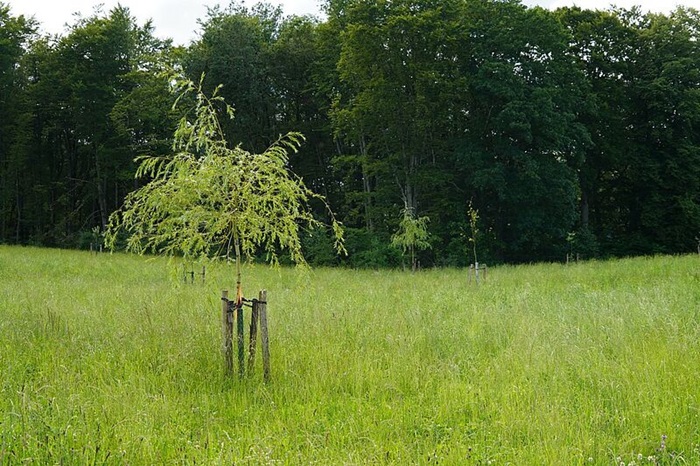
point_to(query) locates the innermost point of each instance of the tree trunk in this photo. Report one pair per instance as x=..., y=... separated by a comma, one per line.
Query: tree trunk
x=411, y=201
x=585, y=210
x=366, y=186
x=19, y=213
x=101, y=189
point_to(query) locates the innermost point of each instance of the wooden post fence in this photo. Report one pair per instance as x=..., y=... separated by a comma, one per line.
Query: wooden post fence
x=189, y=276
x=475, y=269
x=258, y=322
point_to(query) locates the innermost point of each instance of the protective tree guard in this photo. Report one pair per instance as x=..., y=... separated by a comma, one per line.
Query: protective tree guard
x=258, y=322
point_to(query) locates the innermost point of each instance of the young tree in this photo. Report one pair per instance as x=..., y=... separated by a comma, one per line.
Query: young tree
x=209, y=199
x=474, y=229
x=412, y=235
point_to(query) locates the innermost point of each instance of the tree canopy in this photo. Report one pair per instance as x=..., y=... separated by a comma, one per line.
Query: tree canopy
x=570, y=130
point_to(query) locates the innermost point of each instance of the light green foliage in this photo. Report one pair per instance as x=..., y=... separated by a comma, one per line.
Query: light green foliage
x=110, y=359
x=412, y=235
x=473, y=215
x=208, y=199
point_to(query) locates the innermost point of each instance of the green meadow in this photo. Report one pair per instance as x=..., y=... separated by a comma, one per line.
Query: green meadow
x=112, y=359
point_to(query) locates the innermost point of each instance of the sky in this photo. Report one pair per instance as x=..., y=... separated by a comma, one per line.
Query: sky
x=177, y=19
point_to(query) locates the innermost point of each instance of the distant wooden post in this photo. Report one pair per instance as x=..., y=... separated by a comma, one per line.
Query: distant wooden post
x=474, y=270
x=264, y=335
x=227, y=330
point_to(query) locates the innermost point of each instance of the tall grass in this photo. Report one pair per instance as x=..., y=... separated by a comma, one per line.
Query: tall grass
x=111, y=359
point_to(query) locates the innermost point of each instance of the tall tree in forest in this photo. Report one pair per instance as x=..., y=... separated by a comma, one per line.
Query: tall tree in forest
x=522, y=140
x=392, y=114
x=80, y=149
x=294, y=72
x=234, y=51
x=268, y=66
x=15, y=34
x=97, y=56
x=639, y=181
x=604, y=50
x=662, y=171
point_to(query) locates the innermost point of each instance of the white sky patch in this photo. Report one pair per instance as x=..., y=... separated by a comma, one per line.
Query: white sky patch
x=656, y=6
x=176, y=19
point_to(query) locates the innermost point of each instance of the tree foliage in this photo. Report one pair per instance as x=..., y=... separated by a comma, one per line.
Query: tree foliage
x=208, y=199
x=561, y=124
x=412, y=235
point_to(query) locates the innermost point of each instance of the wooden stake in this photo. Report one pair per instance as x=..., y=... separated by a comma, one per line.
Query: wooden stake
x=240, y=340
x=254, y=317
x=227, y=329
x=264, y=336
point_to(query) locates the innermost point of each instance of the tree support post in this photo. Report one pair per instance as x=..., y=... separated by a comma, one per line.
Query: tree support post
x=258, y=320
x=240, y=340
x=264, y=336
x=254, y=318
x=227, y=331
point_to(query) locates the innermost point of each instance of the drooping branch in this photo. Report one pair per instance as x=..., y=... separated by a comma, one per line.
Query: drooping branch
x=207, y=196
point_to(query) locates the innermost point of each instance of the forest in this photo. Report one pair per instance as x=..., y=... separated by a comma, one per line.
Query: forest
x=523, y=133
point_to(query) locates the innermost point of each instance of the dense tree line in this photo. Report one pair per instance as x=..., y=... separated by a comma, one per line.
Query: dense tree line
x=569, y=131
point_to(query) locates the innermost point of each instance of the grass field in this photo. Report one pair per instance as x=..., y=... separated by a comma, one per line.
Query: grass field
x=111, y=359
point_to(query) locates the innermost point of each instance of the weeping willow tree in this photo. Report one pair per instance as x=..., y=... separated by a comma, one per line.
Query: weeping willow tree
x=412, y=235
x=207, y=199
